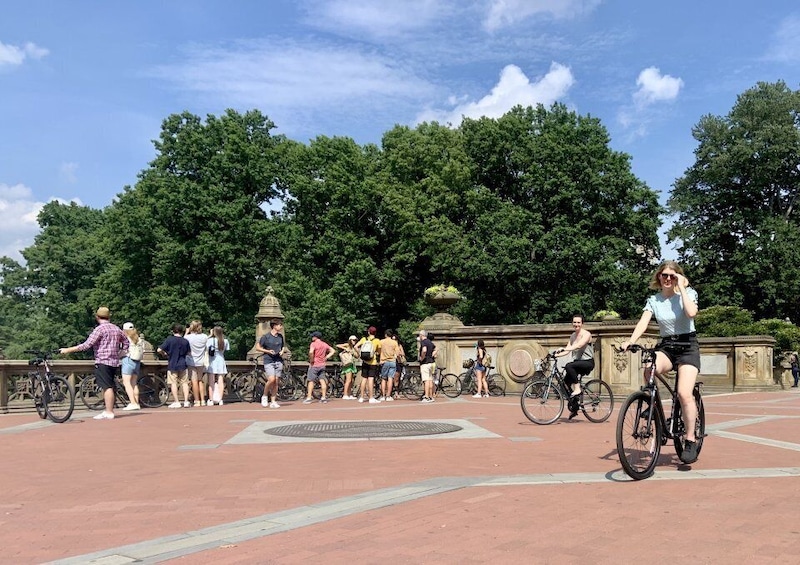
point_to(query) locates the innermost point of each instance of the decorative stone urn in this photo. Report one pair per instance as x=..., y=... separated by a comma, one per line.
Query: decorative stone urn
x=442, y=300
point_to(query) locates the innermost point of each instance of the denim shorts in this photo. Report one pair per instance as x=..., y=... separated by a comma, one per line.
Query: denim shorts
x=130, y=367
x=388, y=369
x=316, y=374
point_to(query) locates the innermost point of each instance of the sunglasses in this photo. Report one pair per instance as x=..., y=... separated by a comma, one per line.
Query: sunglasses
x=667, y=277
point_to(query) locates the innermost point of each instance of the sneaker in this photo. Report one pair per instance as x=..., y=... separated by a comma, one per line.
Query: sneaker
x=476, y=395
x=209, y=403
x=197, y=403
x=104, y=416
x=264, y=402
x=132, y=406
x=486, y=395
x=388, y=399
x=426, y=400
x=374, y=401
x=361, y=399
x=324, y=400
x=348, y=397
x=220, y=403
x=689, y=453
x=274, y=404
x=573, y=414
x=186, y=404
x=308, y=401
x=175, y=405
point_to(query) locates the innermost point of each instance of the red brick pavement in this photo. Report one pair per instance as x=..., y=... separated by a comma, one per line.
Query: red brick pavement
x=87, y=486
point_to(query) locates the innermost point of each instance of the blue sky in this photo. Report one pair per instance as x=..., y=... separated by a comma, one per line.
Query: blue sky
x=85, y=85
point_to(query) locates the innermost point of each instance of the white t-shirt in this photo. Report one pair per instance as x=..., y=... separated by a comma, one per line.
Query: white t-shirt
x=197, y=350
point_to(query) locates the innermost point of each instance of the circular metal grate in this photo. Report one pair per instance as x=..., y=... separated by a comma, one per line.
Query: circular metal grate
x=350, y=430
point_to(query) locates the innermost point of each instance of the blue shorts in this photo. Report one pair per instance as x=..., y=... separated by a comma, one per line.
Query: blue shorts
x=316, y=374
x=130, y=367
x=273, y=368
x=388, y=369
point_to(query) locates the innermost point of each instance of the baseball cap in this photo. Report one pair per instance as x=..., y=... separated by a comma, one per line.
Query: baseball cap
x=353, y=338
x=103, y=312
x=316, y=334
x=372, y=329
x=128, y=326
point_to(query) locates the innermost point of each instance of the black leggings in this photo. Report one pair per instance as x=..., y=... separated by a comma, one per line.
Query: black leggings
x=575, y=368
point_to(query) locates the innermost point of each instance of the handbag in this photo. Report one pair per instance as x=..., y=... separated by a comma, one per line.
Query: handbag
x=346, y=357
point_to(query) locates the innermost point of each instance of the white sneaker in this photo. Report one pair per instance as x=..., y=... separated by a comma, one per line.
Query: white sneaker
x=264, y=402
x=132, y=406
x=477, y=395
x=209, y=403
x=388, y=399
x=274, y=404
x=220, y=403
x=348, y=397
x=486, y=395
x=374, y=401
x=104, y=416
x=361, y=400
x=197, y=403
x=175, y=405
x=187, y=404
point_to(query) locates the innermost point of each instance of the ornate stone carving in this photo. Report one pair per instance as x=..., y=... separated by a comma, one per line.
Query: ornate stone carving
x=750, y=361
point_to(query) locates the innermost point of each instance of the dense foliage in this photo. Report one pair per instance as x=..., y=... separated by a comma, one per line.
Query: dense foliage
x=531, y=216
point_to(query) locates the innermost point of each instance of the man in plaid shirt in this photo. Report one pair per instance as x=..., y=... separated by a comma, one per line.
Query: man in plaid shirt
x=108, y=342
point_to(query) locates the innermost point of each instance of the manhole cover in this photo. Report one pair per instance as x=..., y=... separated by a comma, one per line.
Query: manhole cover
x=349, y=430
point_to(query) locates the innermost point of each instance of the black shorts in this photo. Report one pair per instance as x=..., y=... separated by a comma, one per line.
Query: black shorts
x=687, y=353
x=105, y=375
x=369, y=371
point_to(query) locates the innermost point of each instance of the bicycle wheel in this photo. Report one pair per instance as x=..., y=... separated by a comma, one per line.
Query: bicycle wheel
x=91, y=394
x=596, y=401
x=38, y=398
x=496, y=384
x=59, y=399
x=699, y=426
x=637, y=446
x=244, y=385
x=541, y=402
x=335, y=387
x=152, y=391
x=467, y=383
x=451, y=386
x=412, y=387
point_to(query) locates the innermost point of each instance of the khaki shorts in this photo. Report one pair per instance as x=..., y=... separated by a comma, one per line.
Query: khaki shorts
x=197, y=374
x=177, y=377
x=426, y=371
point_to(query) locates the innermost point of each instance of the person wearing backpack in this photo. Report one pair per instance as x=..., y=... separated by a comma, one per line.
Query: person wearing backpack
x=482, y=363
x=369, y=347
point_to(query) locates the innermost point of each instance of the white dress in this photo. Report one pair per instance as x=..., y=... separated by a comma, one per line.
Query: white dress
x=216, y=362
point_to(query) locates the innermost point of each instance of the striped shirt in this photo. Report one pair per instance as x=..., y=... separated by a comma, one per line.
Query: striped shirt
x=107, y=340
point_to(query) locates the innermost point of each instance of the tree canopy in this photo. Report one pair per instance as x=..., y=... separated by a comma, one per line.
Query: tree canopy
x=737, y=219
x=532, y=216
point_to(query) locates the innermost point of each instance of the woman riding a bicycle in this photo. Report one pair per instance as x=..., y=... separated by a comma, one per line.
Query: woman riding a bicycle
x=674, y=308
x=580, y=345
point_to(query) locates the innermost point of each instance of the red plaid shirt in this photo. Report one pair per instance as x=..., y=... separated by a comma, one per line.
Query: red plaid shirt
x=107, y=340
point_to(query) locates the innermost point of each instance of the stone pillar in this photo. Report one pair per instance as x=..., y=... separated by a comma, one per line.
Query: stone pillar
x=268, y=309
x=753, y=364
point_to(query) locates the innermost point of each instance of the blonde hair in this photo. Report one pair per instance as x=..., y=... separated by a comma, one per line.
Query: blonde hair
x=133, y=335
x=196, y=327
x=655, y=280
x=220, y=338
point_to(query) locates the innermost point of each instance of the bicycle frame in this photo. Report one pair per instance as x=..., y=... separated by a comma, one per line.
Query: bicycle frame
x=673, y=426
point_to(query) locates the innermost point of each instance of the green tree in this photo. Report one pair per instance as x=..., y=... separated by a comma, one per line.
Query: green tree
x=736, y=206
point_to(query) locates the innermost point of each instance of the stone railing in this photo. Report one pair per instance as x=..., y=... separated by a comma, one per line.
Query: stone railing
x=15, y=393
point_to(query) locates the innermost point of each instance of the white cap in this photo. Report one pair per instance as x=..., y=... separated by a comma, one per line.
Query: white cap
x=128, y=326
x=353, y=338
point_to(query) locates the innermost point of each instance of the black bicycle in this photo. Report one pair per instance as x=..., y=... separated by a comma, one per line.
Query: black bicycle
x=53, y=396
x=544, y=396
x=447, y=383
x=469, y=380
x=153, y=392
x=641, y=430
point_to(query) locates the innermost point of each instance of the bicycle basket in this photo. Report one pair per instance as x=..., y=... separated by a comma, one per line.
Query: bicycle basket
x=468, y=363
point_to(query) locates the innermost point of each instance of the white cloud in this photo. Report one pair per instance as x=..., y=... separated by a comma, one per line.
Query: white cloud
x=19, y=210
x=508, y=12
x=655, y=87
x=377, y=18
x=16, y=55
x=275, y=73
x=785, y=44
x=513, y=88
x=67, y=171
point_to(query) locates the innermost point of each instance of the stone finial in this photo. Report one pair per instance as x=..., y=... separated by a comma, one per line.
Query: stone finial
x=269, y=308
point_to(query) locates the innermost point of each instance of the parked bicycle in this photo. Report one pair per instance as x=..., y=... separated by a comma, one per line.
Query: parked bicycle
x=153, y=392
x=469, y=380
x=641, y=431
x=53, y=396
x=448, y=383
x=410, y=384
x=544, y=396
